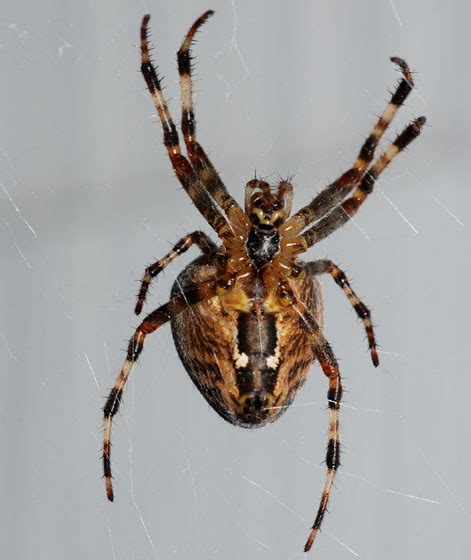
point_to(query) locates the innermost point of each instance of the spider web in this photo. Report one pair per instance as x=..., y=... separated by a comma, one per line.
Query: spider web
x=88, y=199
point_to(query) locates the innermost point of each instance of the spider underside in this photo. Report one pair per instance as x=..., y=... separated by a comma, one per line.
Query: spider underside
x=247, y=315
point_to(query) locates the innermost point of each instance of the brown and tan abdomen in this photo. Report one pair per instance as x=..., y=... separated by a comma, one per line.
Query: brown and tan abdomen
x=248, y=366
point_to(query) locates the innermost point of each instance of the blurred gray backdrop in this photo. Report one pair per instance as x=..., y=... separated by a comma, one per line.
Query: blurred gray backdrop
x=88, y=199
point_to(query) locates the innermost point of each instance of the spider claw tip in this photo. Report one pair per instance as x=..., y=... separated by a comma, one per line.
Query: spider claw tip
x=109, y=489
x=375, y=359
x=421, y=121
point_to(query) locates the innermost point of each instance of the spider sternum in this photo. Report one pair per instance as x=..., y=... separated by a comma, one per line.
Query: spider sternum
x=262, y=245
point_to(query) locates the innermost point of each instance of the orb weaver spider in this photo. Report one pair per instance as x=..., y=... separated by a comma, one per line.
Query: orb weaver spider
x=247, y=315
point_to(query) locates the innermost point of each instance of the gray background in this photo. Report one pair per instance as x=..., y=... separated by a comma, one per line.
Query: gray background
x=88, y=198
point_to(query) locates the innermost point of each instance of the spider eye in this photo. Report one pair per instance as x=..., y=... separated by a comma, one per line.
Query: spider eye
x=276, y=205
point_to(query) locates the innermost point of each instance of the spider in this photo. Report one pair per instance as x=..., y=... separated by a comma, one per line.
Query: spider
x=247, y=316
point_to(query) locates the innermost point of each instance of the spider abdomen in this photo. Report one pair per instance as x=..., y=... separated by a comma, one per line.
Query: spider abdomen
x=248, y=365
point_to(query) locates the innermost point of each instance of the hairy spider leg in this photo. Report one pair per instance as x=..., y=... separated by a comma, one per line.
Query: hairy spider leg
x=191, y=296
x=200, y=161
x=329, y=365
x=334, y=395
x=334, y=193
x=182, y=167
x=326, y=266
x=342, y=213
x=199, y=238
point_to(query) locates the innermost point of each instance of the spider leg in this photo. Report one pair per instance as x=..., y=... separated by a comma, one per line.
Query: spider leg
x=342, y=213
x=200, y=238
x=334, y=193
x=182, y=167
x=193, y=295
x=329, y=365
x=326, y=266
x=200, y=161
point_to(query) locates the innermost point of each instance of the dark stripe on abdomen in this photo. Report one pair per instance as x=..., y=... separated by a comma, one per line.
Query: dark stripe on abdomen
x=257, y=338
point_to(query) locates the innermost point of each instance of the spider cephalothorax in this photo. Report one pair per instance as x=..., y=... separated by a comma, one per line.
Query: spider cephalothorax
x=247, y=316
x=267, y=208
